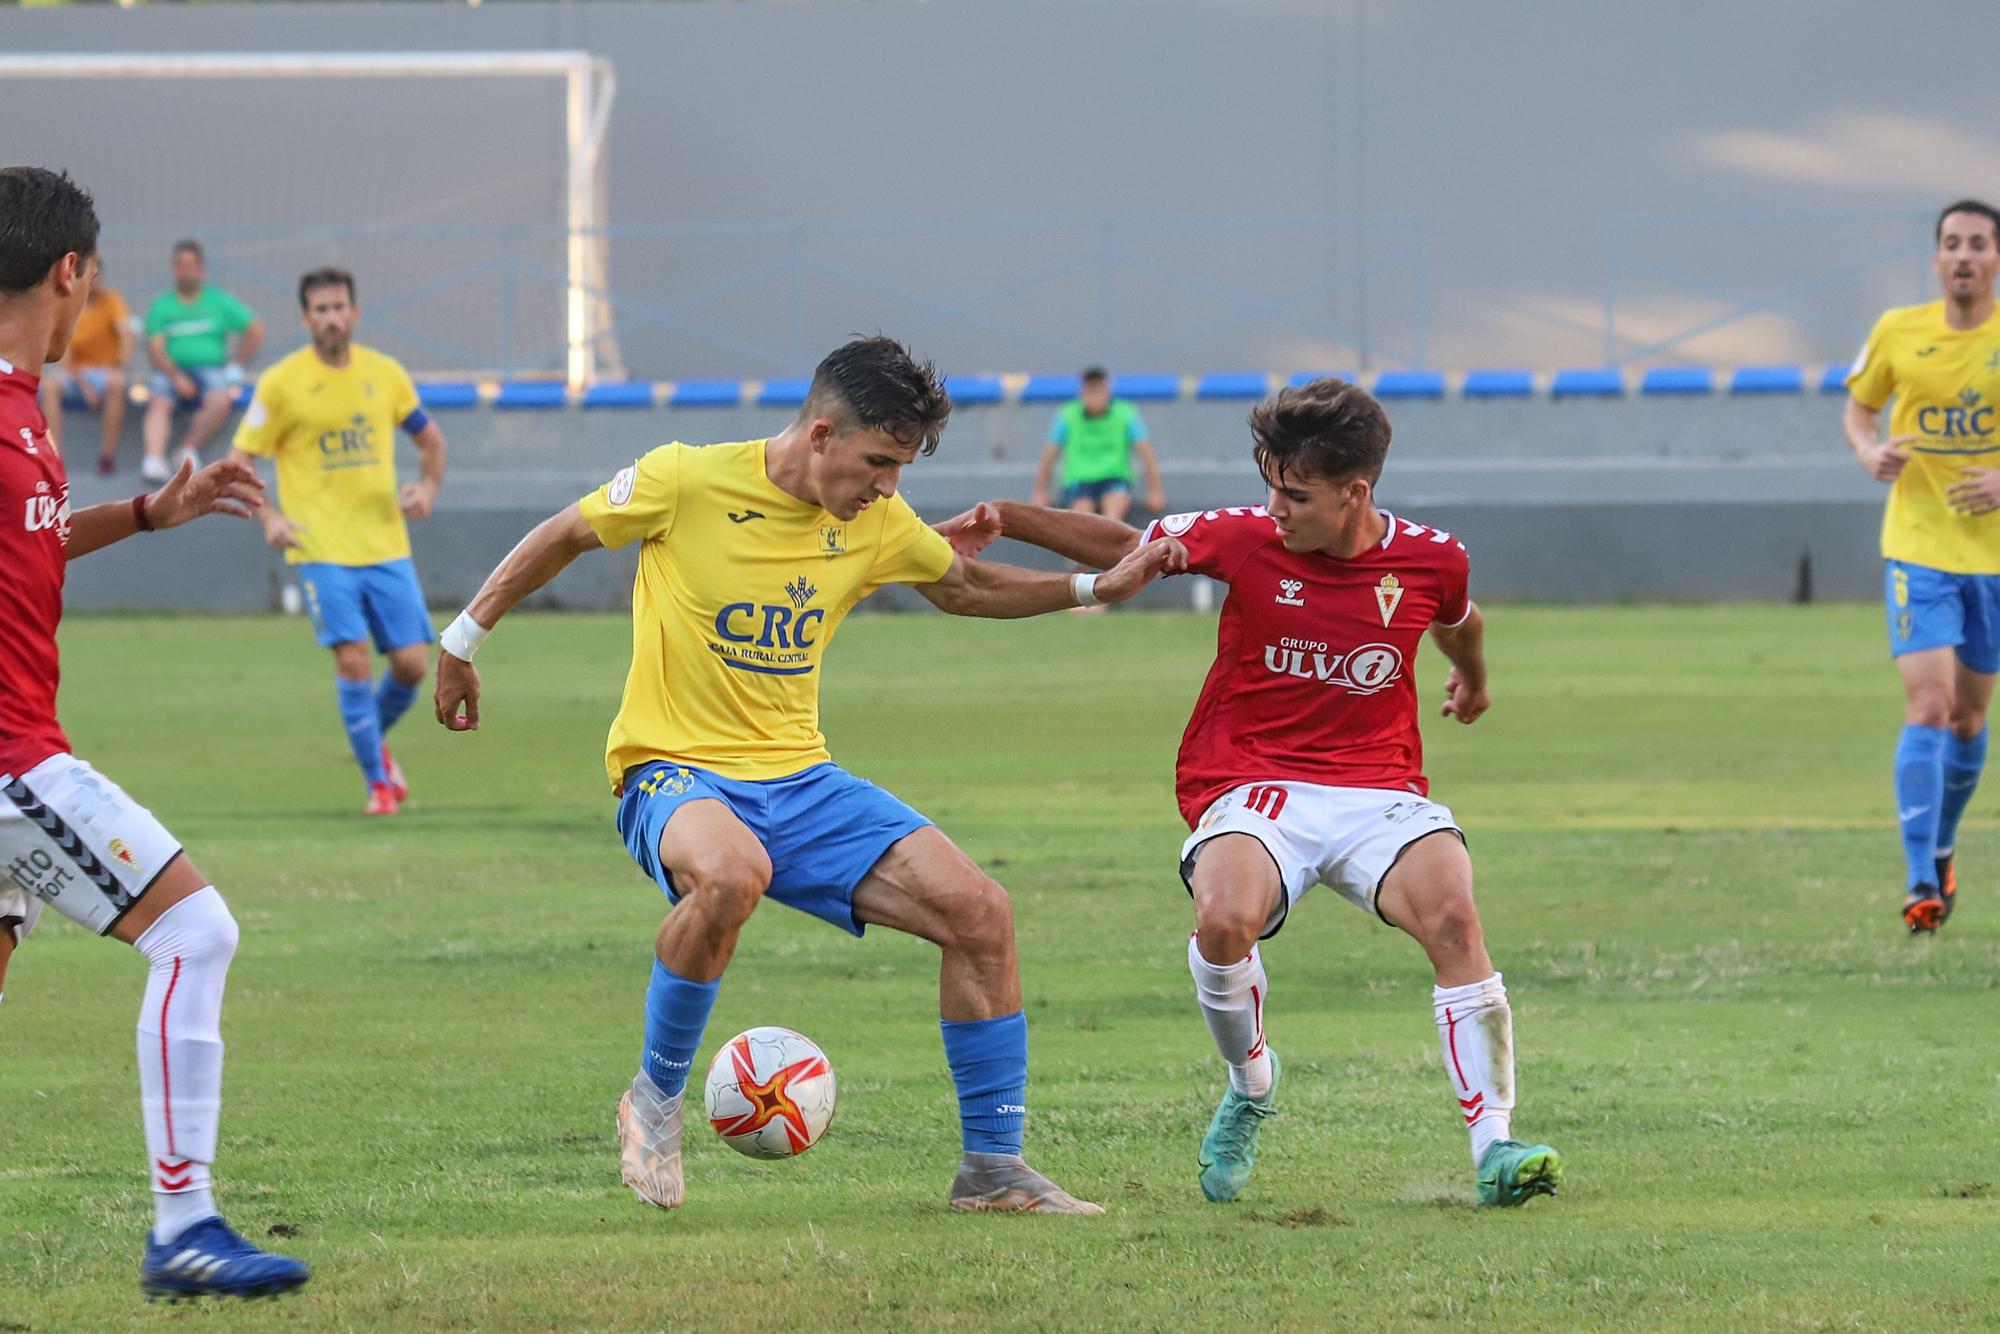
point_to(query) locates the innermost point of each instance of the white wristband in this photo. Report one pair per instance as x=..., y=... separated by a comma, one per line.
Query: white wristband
x=463, y=637
x=1083, y=587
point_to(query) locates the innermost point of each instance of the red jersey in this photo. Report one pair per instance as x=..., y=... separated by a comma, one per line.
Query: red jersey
x=1314, y=676
x=34, y=529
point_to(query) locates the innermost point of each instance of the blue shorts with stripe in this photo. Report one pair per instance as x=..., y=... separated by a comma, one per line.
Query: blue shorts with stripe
x=1930, y=609
x=352, y=603
x=823, y=828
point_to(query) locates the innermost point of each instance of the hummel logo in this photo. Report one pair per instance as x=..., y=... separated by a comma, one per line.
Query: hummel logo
x=1911, y=814
x=1288, y=593
x=745, y=517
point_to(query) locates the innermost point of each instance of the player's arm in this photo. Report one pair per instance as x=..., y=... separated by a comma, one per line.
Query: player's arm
x=418, y=496
x=280, y=533
x=1465, y=645
x=1087, y=539
x=226, y=486
x=1883, y=459
x=1005, y=592
x=156, y=352
x=247, y=344
x=538, y=558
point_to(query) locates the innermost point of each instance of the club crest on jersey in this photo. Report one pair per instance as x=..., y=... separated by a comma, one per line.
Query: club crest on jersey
x=1388, y=595
x=619, y=493
x=832, y=540
x=800, y=592
x=122, y=851
x=1288, y=593
x=1367, y=670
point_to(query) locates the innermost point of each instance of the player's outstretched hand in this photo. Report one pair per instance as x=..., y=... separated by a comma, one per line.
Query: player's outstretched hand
x=457, y=697
x=1145, y=564
x=973, y=531
x=416, y=499
x=1462, y=701
x=1977, y=491
x=1885, y=461
x=227, y=486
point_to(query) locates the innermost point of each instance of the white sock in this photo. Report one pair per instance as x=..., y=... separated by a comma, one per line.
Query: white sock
x=1232, y=1001
x=1476, y=1030
x=180, y=1054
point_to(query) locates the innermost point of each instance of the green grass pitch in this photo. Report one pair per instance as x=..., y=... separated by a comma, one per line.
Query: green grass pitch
x=1777, y=1109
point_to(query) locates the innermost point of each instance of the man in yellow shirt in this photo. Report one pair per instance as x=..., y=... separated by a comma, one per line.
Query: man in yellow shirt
x=1940, y=537
x=328, y=414
x=751, y=554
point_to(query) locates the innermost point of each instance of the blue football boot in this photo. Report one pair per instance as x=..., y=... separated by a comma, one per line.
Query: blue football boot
x=210, y=1260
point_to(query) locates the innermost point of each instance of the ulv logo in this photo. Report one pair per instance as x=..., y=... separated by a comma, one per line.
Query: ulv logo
x=1367, y=670
x=48, y=512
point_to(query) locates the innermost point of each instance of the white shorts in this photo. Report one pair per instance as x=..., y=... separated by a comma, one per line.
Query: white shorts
x=1347, y=838
x=72, y=839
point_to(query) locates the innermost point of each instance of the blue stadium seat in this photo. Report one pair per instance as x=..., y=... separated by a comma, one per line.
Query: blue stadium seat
x=1303, y=378
x=1410, y=384
x=1588, y=382
x=1051, y=388
x=1233, y=384
x=619, y=394
x=1768, y=380
x=1673, y=381
x=1498, y=384
x=707, y=394
x=1834, y=379
x=783, y=393
x=446, y=395
x=974, y=389
x=531, y=395
x=1147, y=388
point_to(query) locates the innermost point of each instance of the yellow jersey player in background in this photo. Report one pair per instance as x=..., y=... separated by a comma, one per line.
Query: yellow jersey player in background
x=1940, y=363
x=750, y=556
x=328, y=414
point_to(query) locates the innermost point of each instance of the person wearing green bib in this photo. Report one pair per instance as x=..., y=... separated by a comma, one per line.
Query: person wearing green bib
x=188, y=328
x=1097, y=437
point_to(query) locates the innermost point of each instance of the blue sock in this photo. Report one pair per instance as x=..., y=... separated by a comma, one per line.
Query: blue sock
x=1920, y=797
x=1964, y=757
x=357, y=715
x=392, y=701
x=989, y=1064
x=676, y=1013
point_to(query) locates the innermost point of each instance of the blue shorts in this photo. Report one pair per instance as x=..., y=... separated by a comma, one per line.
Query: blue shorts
x=823, y=828
x=350, y=603
x=1095, y=492
x=207, y=380
x=1937, y=609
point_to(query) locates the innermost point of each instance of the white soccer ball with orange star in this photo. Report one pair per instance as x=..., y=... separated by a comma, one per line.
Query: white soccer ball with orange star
x=770, y=1093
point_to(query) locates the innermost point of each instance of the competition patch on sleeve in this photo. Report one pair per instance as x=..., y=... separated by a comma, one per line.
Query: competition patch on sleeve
x=619, y=493
x=256, y=416
x=1176, y=525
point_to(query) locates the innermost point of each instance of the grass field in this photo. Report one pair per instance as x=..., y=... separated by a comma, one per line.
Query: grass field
x=1778, y=1110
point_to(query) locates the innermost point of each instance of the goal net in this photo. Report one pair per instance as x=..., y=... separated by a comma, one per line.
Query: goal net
x=465, y=191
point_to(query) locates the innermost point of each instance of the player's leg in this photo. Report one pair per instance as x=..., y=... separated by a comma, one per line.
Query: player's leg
x=112, y=412
x=925, y=886
x=102, y=860
x=1427, y=892
x=1117, y=502
x=1239, y=892
x=400, y=624
x=1927, y=625
x=155, y=426
x=682, y=830
x=208, y=417
x=354, y=692
x=1971, y=697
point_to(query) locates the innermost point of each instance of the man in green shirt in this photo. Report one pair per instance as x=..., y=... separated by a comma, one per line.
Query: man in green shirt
x=188, y=328
x=1097, y=437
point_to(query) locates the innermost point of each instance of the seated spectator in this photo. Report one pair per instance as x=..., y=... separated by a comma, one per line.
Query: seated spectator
x=99, y=354
x=188, y=328
x=1097, y=437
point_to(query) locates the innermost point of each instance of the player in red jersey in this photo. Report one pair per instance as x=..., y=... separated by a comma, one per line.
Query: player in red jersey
x=1303, y=763
x=69, y=837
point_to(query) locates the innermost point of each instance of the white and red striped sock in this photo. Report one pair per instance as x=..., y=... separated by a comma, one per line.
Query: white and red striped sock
x=180, y=1054
x=1476, y=1030
x=1232, y=1001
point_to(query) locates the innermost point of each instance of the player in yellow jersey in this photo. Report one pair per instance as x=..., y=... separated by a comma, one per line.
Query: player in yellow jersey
x=329, y=414
x=750, y=556
x=1940, y=362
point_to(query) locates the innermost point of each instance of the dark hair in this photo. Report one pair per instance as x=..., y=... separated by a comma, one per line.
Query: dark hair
x=44, y=215
x=1973, y=206
x=1095, y=375
x=327, y=276
x=874, y=384
x=1327, y=429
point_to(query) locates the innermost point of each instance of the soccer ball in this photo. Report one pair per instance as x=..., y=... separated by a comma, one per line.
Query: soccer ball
x=770, y=1093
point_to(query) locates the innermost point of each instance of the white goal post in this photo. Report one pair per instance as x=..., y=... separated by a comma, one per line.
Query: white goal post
x=588, y=87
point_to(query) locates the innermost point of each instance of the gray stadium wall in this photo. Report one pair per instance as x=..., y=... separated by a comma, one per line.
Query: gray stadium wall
x=1621, y=500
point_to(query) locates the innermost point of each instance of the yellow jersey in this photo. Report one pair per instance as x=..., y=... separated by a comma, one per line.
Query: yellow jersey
x=739, y=591
x=1946, y=383
x=333, y=433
